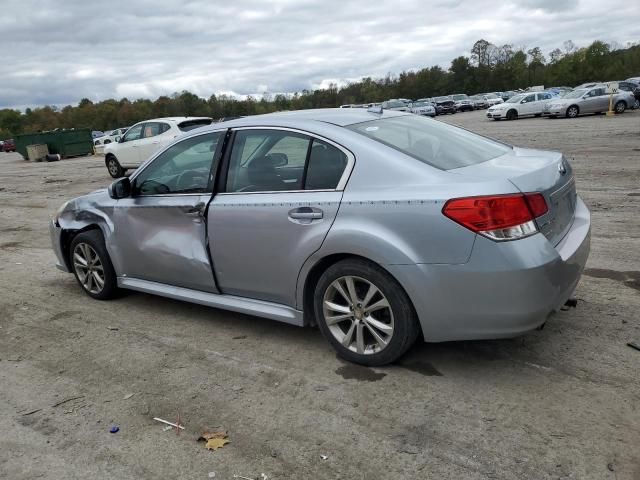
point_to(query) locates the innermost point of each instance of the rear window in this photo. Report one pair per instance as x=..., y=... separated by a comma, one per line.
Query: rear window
x=434, y=143
x=191, y=124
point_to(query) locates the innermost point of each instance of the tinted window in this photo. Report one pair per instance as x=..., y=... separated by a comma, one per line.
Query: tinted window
x=529, y=98
x=326, y=165
x=266, y=161
x=182, y=168
x=134, y=133
x=191, y=124
x=434, y=143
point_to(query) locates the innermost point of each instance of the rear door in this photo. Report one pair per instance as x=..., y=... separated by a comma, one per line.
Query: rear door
x=128, y=151
x=151, y=140
x=280, y=190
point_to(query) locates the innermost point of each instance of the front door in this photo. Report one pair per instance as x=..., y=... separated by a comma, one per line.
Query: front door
x=279, y=193
x=161, y=233
x=128, y=150
x=528, y=105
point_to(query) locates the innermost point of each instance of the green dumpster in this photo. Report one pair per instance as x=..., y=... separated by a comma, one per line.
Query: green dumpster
x=67, y=143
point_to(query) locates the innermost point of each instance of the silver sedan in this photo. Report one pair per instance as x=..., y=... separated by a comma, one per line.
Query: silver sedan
x=379, y=227
x=588, y=100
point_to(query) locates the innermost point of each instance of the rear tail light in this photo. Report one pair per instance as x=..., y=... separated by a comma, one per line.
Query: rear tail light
x=498, y=217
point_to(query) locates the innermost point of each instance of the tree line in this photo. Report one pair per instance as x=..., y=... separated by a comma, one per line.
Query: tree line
x=489, y=68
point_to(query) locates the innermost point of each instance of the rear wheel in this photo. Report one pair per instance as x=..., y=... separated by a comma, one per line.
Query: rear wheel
x=620, y=107
x=512, y=115
x=573, y=111
x=92, y=266
x=364, y=313
x=115, y=170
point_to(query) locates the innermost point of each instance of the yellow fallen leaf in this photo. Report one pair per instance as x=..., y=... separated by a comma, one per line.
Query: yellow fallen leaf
x=216, y=443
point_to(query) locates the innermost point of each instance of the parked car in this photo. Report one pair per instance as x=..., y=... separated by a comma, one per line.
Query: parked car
x=423, y=108
x=112, y=136
x=508, y=94
x=587, y=85
x=9, y=145
x=492, y=98
x=379, y=227
x=444, y=105
x=587, y=100
x=523, y=105
x=634, y=88
x=144, y=139
x=97, y=133
x=462, y=102
x=479, y=102
x=395, y=105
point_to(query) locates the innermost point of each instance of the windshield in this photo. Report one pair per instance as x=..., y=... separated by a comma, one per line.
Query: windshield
x=420, y=104
x=434, y=143
x=515, y=99
x=442, y=99
x=576, y=93
x=490, y=95
x=460, y=96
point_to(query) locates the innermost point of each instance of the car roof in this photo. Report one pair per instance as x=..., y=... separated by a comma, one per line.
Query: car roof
x=174, y=119
x=336, y=116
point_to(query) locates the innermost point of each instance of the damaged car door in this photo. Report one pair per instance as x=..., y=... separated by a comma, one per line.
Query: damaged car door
x=160, y=230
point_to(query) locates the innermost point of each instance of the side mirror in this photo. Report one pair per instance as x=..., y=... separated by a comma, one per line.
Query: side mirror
x=121, y=188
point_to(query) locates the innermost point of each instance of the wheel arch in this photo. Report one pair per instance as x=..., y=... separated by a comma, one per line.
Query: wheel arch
x=315, y=271
x=66, y=238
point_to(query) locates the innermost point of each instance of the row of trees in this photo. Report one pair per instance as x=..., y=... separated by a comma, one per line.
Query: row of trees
x=488, y=68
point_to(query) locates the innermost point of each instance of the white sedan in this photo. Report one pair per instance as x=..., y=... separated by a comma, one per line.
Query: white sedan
x=144, y=139
x=522, y=105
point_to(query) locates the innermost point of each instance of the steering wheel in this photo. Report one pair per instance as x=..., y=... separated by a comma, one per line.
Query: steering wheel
x=186, y=180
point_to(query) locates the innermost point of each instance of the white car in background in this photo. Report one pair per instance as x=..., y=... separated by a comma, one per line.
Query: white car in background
x=144, y=139
x=423, y=108
x=521, y=105
x=492, y=99
x=110, y=137
x=396, y=104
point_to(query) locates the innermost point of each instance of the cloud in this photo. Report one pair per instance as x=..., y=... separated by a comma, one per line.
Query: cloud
x=146, y=48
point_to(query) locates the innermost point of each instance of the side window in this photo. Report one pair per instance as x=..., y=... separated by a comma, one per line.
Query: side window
x=182, y=168
x=164, y=127
x=266, y=161
x=326, y=165
x=600, y=92
x=134, y=133
x=151, y=129
x=529, y=98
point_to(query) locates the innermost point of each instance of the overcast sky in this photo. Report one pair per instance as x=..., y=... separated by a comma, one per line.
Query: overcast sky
x=57, y=52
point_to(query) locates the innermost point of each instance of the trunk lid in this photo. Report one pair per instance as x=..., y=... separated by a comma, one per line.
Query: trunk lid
x=545, y=172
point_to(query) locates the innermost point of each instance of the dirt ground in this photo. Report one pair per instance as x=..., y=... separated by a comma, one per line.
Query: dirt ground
x=559, y=403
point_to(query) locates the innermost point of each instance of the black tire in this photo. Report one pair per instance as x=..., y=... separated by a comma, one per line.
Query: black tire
x=113, y=167
x=512, y=115
x=573, y=111
x=404, y=320
x=620, y=107
x=94, y=239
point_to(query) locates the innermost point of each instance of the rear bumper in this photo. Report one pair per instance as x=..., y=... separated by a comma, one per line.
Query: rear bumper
x=55, y=232
x=506, y=289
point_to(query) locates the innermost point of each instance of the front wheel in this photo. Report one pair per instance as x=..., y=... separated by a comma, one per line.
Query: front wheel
x=114, y=168
x=512, y=115
x=573, y=111
x=364, y=313
x=92, y=266
x=620, y=107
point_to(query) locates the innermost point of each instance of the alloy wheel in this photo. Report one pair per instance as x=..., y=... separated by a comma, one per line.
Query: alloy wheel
x=358, y=315
x=113, y=168
x=620, y=107
x=572, y=112
x=88, y=268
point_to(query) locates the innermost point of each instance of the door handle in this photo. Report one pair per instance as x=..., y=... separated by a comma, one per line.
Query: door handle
x=194, y=211
x=305, y=214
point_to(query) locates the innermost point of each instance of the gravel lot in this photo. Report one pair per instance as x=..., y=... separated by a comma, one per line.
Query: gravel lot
x=563, y=402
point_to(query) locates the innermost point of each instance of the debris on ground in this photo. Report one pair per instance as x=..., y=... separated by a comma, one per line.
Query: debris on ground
x=114, y=429
x=66, y=400
x=113, y=328
x=212, y=474
x=634, y=345
x=261, y=477
x=324, y=457
x=31, y=412
x=174, y=425
x=128, y=396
